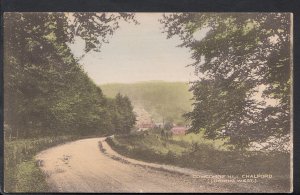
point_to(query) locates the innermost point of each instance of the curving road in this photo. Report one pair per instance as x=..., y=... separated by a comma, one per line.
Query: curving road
x=80, y=166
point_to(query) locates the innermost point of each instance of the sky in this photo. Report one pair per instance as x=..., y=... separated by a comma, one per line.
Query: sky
x=137, y=53
x=142, y=52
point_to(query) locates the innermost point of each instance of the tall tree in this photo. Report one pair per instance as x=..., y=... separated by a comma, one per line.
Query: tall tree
x=239, y=54
x=46, y=90
x=125, y=117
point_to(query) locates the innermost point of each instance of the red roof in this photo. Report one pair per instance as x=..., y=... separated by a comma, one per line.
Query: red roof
x=179, y=130
x=146, y=125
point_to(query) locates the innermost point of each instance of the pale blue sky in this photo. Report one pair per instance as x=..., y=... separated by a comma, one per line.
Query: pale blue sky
x=138, y=53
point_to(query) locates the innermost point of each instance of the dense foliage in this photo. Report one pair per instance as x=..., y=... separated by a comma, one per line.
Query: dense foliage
x=240, y=56
x=123, y=117
x=46, y=90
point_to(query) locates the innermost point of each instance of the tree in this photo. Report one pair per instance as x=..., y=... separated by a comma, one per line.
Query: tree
x=240, y=53
x=125, y=118
x=46, y=90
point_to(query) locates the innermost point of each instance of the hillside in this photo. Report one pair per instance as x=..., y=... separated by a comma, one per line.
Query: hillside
x=164, y=101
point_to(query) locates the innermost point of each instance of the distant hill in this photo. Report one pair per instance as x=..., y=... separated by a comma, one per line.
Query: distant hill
x=164, y=101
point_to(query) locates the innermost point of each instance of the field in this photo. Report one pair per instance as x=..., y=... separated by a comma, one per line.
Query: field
x=194, y=151
x=21, y=173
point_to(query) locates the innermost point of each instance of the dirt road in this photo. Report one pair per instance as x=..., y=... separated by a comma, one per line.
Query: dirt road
x=80, y=166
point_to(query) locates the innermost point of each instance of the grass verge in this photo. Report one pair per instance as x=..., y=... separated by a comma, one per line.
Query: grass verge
x=203, y=155
x=21, y=173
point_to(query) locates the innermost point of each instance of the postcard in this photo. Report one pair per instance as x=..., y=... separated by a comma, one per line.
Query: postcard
x=148, y=102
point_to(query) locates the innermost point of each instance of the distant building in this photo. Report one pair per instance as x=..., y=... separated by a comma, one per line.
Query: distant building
x=144, y=120
x=159, y=125
x=145, y=126
x=178, y=130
